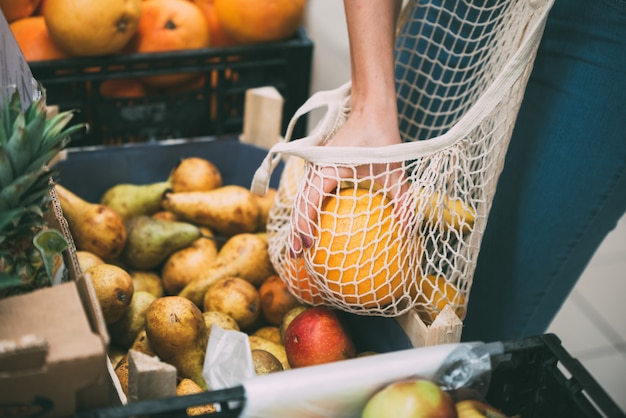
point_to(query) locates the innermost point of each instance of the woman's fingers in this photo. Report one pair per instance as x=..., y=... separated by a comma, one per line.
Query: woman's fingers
x=323, y=180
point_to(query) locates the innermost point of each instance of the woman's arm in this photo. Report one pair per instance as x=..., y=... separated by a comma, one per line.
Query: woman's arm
x=373, y=119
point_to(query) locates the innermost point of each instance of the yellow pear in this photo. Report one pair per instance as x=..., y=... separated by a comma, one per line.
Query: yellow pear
x=114, y=289
x=227, y=210
x=87, y=259
x=243, y=255
x=190, y=263
x=148, y=281
x=124, y=331
x=194, y=174
x=95, y=228
x=178, y=335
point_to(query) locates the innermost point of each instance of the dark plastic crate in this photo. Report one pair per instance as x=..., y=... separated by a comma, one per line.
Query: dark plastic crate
x=90, y=171
x=534, y=378
x=215, y=108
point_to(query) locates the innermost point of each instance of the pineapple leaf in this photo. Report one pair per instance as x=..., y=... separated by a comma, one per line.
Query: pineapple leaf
x=55, y=131
x=8, y=219
x=45, y=158
x=17, y=146
x=10, y=196
x=27, y=136
x=6, y=168
x=8, y=281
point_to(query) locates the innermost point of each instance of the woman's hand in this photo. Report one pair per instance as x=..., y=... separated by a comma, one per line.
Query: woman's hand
x=358, y=131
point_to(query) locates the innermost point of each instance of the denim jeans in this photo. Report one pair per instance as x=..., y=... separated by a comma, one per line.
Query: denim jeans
x=563, y=186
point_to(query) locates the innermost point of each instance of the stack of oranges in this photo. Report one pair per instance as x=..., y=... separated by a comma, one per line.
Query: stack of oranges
x=56, y=29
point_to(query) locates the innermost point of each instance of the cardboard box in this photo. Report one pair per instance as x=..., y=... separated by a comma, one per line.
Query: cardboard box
x=53, y=346
x=52, y=341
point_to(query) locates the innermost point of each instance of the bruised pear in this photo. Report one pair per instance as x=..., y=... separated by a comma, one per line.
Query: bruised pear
x=114, y=289
x=243, y=255
x=189, y=263
x=124, y=331
x=227, y=210
x=95, y=228
x=135, y=199
x=150, y=241
x=178, y=335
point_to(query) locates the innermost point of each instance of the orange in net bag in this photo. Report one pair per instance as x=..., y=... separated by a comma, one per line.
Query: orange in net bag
x=359, y=253
x=457, y=106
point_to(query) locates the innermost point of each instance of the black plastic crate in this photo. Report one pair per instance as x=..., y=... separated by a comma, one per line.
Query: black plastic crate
x=533, y=378
x=215, y=108
x=536, y=377
x=90, y=171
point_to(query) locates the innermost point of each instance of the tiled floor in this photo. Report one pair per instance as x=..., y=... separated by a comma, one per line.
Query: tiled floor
x=591, y=323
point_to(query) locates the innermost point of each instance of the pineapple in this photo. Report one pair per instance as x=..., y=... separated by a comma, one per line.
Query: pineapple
x=28, y=142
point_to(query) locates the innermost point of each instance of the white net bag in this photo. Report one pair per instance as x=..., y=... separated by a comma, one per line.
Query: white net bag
x=461, y=73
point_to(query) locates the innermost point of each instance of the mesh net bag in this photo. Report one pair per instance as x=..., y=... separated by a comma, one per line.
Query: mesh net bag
x=461, y=71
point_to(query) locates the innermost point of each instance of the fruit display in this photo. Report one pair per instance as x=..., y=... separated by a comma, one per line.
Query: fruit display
x=170, y=259
x=143, y=26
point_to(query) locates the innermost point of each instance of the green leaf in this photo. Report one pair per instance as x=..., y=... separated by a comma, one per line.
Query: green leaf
x=8, y=281
x=11, y=195
x=6, y=168
x=51, y=243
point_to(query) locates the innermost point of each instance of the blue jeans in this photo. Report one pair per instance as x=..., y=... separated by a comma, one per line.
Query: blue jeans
x=563, y=187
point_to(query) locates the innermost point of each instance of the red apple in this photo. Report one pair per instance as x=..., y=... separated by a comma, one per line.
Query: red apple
x=317, y=336
x=415, y=398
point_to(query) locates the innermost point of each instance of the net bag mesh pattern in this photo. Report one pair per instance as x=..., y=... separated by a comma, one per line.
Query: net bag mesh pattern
x=461, y=71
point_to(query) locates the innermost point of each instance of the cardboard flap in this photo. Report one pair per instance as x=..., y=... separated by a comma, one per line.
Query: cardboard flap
x=25, y=353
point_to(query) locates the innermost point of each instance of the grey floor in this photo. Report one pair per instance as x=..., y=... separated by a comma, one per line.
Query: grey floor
x=591, y=323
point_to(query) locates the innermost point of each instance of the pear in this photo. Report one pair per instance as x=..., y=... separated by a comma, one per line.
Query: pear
x=142, y=344
x=87, y=259
x=265, y=204
x=189, y=264
x=227, y=210
x=243, y=255
x=177, y=333
x=124, y=331
x=150, y=241
x=95, y=228
x=189, y=387
x=149, y=281
x=193, y=174
x=113, y=288
x=134, y=199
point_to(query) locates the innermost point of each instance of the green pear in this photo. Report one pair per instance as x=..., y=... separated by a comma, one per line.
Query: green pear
x=150, y=241
x=134, y=199
x=124, y=331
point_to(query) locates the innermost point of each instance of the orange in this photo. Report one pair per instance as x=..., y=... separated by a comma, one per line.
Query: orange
x=276, y=299
x=91, y=27
x=31, y=34
x=433, y=294
x=251, y=21
x=301, y=283
x=39, y=11
x=218, y=36
x=359, y=250
x=169, y=25
x=18, y=9
x=123, y=88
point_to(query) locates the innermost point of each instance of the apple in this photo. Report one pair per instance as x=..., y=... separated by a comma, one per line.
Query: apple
x=413, y=398
x=317, y=336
